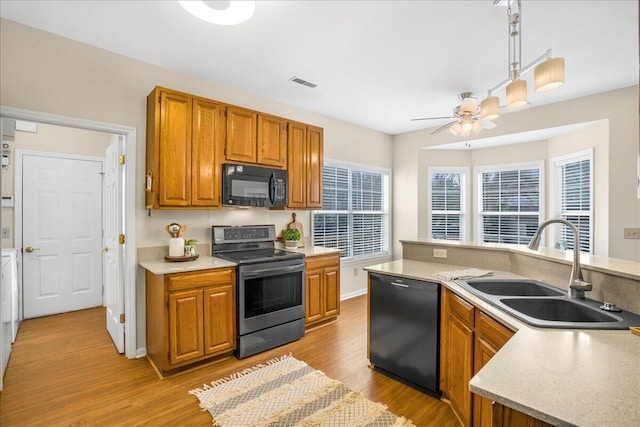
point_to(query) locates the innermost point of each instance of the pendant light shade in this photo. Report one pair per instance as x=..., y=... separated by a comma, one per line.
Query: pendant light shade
x=517, y=94
x=549, y=75
x=456, y=128
x=490, y=108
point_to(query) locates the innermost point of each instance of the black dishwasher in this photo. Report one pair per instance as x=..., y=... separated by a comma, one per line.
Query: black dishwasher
x=404, y=326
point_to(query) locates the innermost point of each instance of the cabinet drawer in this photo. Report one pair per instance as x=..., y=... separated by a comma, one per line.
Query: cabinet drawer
x=491, y=331
x=322, y=261
x=199, y=279
x=462, y=309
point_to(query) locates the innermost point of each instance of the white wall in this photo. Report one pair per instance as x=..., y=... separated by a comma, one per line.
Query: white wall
x=47, y=73
x=619, y=108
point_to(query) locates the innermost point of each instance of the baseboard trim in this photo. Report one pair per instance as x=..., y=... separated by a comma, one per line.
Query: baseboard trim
x=141, y=352
x=353, y=294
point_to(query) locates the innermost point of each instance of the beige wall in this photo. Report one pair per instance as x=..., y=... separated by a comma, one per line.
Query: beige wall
x=47, y=73
x=47, y=138
x=617, y=109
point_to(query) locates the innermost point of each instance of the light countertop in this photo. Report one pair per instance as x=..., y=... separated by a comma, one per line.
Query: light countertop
x=202, y=263
x=564, y=377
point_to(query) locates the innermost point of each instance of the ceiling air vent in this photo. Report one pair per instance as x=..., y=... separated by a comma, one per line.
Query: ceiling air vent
x=302, y=82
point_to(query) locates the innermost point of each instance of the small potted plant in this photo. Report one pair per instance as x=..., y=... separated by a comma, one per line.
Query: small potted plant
x=291, y=237
x=190, y=247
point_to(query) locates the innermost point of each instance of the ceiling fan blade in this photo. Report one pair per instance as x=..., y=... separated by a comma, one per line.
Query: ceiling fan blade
x=487, y=124
x=432, y=118
x=441, y=128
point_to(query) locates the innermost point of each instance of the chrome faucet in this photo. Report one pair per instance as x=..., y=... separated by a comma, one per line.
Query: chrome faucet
x=577, y=285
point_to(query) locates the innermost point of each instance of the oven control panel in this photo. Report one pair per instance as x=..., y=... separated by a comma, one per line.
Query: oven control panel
x=244, y=233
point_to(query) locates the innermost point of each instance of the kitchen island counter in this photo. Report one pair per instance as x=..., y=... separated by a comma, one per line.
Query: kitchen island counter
x=561, y=376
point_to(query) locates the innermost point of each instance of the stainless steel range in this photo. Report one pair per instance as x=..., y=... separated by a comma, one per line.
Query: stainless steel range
x=270, y=287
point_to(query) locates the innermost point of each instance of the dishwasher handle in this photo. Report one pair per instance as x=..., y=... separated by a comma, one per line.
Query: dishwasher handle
x=399, y=285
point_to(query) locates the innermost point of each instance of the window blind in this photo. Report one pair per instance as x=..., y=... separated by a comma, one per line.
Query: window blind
x=446, y=205
x=576, y=202
x=354, y=212
x=509, y=205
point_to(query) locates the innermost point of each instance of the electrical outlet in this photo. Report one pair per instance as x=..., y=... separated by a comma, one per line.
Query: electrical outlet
x=355, y=271
x=5, y=232
x=632, y=233
x=439, y=253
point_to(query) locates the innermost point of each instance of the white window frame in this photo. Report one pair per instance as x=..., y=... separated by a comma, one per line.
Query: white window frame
x=477, y=196
x=386, y=208
x=465, y=217
x=555, y=179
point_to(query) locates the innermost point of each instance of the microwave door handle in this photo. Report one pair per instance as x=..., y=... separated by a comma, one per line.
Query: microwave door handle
x=272, y=188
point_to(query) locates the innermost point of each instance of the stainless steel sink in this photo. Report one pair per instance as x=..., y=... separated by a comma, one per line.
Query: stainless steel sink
x=530, y=288
x=558, y=310
x=545, y=306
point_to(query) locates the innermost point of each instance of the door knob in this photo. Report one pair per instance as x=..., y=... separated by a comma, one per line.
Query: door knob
x=29, y=249
x=105, y=249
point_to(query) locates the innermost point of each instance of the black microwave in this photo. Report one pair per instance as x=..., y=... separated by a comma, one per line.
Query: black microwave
x=253, y=186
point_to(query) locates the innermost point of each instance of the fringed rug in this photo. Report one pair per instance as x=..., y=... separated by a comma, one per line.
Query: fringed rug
x=287, y=392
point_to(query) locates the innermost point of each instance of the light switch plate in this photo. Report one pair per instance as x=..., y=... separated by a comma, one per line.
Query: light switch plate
x=632, y=233
x=5, y=232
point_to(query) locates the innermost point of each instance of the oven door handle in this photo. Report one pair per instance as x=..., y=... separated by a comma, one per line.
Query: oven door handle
x=272, y=271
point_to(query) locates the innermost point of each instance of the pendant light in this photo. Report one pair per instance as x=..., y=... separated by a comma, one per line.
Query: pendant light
x=548, y=73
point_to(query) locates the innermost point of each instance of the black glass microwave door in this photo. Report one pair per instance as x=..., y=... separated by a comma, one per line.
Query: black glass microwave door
x=247, y=189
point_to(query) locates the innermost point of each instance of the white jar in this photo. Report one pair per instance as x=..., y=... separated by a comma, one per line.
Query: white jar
x=176, y=246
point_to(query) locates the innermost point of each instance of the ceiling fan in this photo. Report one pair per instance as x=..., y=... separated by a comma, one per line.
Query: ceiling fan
x=466, y=117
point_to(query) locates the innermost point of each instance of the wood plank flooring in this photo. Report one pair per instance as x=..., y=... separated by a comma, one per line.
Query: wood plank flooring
x=65, y=371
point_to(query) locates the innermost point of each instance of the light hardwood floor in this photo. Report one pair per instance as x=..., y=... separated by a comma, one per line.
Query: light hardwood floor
x=64, y=371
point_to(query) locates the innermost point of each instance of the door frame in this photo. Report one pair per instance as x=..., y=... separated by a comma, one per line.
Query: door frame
x=129, y=259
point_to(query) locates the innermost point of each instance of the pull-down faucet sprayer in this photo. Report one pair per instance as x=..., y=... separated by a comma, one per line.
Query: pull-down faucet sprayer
x=577, y=285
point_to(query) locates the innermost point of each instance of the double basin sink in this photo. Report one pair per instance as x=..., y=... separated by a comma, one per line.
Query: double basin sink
x=545, y=306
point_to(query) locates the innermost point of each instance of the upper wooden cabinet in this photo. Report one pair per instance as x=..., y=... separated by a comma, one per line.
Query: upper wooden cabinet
x=255, y=138
x=184, y=140
x=304, y=165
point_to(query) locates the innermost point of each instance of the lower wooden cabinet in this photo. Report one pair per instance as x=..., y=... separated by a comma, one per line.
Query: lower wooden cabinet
x=469, y=339
x=322, y=288
x=190, y=317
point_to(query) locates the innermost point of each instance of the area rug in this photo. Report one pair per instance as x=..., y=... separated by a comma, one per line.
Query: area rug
x=287, y=392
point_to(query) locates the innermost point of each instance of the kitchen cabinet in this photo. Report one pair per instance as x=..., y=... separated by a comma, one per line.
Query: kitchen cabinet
x=255, y=138
x=190, y=317
x=469, y=339
x=185, y=136
x=322, y=288
x=305, y=162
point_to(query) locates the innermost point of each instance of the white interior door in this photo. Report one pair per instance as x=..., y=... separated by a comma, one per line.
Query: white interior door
x=61, y=234
x=112, y=250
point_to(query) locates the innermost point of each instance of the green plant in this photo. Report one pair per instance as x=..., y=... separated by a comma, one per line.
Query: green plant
x=291, y=234
x=190, y=242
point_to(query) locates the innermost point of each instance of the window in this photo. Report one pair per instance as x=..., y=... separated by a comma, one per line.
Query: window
x=447, y=194
x=573, y=198
x=354, y=216
x=509, y=202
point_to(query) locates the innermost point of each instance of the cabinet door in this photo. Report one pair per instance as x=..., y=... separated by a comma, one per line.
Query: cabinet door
x=331, y=279
x=272, y=141
x=314, y=166
x=174, y=180
x=241, y=135
x=297, y=165
x=185, y=326
x=207, y=134
x=481, y=405
x=219, y=319
x=460, y=351
x=313, y=310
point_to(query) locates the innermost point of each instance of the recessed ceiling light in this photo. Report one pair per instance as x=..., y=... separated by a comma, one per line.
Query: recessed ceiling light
x=235, y=12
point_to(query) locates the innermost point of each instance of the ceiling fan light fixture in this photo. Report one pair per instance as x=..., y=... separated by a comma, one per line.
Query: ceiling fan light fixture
x=549, y=75
x=476, y=126
x=469, y=105
x=235, y=13
x=490, y=108
x=456, y=129
x=517, y=94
